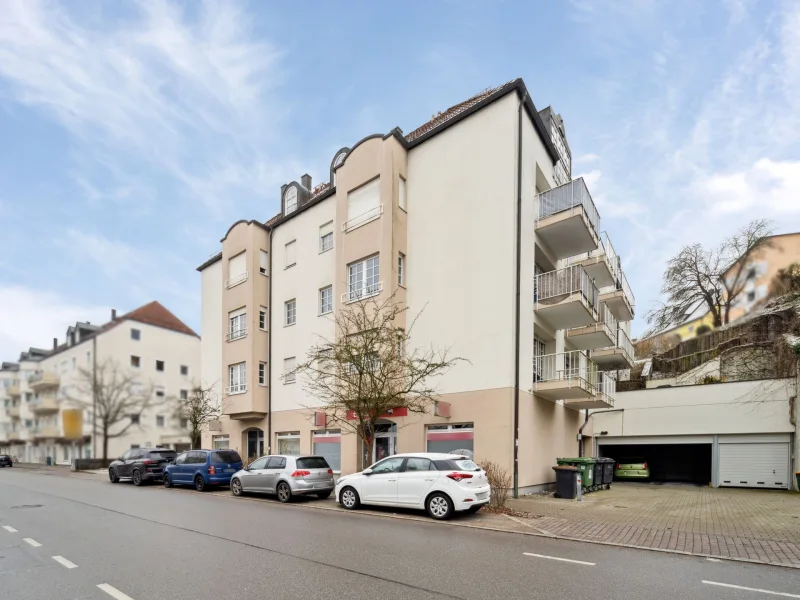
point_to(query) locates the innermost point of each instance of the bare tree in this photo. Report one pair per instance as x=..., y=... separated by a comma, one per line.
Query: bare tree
x=369, y=369
x=117, y=398
x=709, y=278
x=199, y=408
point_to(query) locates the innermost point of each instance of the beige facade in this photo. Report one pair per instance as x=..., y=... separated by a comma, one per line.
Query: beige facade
x=432, y=217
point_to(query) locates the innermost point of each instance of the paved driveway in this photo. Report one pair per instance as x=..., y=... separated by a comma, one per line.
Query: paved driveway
x=757, y=525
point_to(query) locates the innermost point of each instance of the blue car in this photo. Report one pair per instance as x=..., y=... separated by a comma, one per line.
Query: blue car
x=203, y=468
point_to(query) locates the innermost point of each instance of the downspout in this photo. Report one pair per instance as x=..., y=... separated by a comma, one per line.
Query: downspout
x=94, y=396
x=586, y=422
x=269, y=351
x=517, y=295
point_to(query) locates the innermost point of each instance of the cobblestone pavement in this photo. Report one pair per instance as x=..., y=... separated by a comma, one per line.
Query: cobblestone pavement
x=759, y=525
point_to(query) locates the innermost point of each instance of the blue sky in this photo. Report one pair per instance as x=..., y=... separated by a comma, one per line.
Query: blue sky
x=132, y=134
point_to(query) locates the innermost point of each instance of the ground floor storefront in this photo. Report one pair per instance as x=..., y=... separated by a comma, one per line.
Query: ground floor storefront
x=477, y=423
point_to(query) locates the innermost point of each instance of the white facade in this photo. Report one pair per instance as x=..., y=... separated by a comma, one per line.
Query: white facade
x=213, y=337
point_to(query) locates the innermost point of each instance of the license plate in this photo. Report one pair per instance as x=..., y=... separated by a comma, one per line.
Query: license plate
x=482, y=495
x=230, y=470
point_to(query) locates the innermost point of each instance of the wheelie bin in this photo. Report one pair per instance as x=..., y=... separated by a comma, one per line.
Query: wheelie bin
x=586, y=466
x=607, y=470
x=566, y=482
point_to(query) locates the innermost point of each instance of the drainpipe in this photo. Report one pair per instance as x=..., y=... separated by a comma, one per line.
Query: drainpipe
x=269, y=351
x=517, y=296
x=94, y=396
x=586, y=422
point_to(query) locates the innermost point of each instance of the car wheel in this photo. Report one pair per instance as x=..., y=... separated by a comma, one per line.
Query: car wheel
x=349, y=499
x=324, y=495
x=137, y=477
x=112, y=475
x=284, y=492
x=236, y=487
x=200, y=483
x=167, y=481
x=473, y=509
x=439, y=506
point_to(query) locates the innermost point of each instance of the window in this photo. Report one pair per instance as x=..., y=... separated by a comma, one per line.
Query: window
x=185, y=425
x=290, y=200
x=225, y=458
x=159, y=365
x=237, y=324
x=263, y=262
x=262, y=373
x=135, y=419
x=363, y=205
x=401, y=194
x=363, y=279
x=328, y=444
x=220, y=442
x=289, y=443
x=419, y=464
x=277, y=462
x=136, y=334
x=291, y=254
x=135, y=361
x=290, y=312
x=262, y=318
x=237, y=270
x=326, y=237
x=184, y=370
x=289, y=376
x=401, y=269
x=326, y=300
x=160, y=392
x=259, y=464
x=538, y=361
x=184, y=394
x=389, y=465
x=160, y=420
x=451, y=438
x=237, y=378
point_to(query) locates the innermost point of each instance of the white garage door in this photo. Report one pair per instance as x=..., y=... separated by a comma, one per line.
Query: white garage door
x=762, y=465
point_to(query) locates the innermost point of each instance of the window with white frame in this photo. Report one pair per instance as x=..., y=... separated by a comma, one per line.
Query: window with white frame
x=290, y=312
x=220, y=442
x=237, y=269
x=291, y=254
x=262, y=373
x=289, y=375
x=326, y=237
x=262, y=318
x=363, y=278
x=237, y=324
x=328, y=445
x=237, y=378
x=538, y=352
x=451, y=438
x=289, y=443
x=363, y=204
x=326, y=300
x=401, y=269
x=401, y=195
x=290, y=200
x=160, y=421
x=263, y=262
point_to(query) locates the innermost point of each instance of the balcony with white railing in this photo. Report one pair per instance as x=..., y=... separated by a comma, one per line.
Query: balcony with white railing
x=606, y=387
x=566, y=219
x=14, y=391
x=566, y=298
x=566, y=375
x=46, y=432
x=618, y=356
x=236, y=280
x=236, y=334
x=601, y=264
x=363, y=218
x=597, y=335
x=619, y=298
x=362, y=292
x=44, y=404
x=44, y=381
x=12, y=412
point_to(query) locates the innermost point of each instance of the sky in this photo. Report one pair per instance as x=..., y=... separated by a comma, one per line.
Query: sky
x=133, y=134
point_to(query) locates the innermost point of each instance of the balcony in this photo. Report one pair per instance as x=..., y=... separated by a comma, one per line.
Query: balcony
x=363, y=218
x=618, y=356
x=236, y=334
x=14, y=437
x=604, y=398
x=619, y=298
x=568, y=375
x=601, y=264
x=13, y=391
x=43, y=405
x=46, y=432
x=566, y=219
x=566, y=298
x=363, y=292
x=597, y=335
x=44, y=381
x=236, y=280
x=12, y=412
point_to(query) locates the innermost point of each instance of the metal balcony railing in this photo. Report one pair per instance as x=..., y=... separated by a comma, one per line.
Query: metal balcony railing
x=236, y=389
x=363, y=219
x=236, y=334
x=565, y=197
x=570, y=367
x=607, y=387
x=360, y=293
x=555, y=286
x=621, y=284
x=236, y=280
x=609, y=321
x=604, y=249
x=624, y=343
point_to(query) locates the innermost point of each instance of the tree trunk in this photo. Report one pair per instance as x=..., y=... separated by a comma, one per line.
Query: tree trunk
x=105, y=443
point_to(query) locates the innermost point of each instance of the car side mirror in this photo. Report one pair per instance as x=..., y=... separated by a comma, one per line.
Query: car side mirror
x=367, y=471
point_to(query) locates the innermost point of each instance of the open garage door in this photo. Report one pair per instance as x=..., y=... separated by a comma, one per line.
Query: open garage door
x=669, y=462
x=754, y=461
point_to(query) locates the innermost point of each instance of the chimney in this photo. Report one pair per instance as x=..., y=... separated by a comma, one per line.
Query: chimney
x=55, y=343
x=113, y=314
x=305, y=181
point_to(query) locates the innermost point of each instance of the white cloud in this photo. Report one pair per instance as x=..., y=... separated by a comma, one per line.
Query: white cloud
x=586, y=158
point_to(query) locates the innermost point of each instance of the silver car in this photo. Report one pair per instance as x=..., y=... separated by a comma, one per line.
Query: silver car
x=285, y=476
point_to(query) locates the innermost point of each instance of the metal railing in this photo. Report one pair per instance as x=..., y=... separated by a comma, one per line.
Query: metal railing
x=621, y=283
x=555, y=286
x=604, y=250
x=609, y=321
x=607, y=387
x=363, y=292
x=236, y=389
x=236, y=334
x=572, y=367
x=363, y=218
x=236, y=280
x=565, y=197
x=624, y=343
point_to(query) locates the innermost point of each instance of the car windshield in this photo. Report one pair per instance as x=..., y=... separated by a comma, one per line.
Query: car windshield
x=225, y=457
x=636, y=460
x=465, y=464
x=312, y=462
x=164, y=455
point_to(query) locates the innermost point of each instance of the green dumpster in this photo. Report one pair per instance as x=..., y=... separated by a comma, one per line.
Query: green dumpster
x=586, y=466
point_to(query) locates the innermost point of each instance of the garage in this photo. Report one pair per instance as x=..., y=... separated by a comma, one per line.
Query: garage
x=755, y=461
x=686, y=459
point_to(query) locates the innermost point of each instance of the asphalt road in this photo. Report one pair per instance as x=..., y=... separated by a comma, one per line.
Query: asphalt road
x=118, y=541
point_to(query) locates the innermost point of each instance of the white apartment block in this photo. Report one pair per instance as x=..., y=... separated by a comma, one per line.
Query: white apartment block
x=44, y=394
x=473, y=216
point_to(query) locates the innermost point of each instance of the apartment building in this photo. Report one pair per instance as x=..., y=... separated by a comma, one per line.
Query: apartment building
x=47, y=398
x=472, y=217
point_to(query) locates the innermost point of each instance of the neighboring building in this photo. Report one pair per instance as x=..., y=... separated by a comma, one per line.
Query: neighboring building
x=432, y=217
x=668, y=338
x=44, y=393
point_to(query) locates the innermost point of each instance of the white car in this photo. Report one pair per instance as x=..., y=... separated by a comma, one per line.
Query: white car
x=441, y=484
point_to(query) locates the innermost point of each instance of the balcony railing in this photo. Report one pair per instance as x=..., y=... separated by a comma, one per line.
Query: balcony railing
x=553, y=287
x=621, y=284
x=236, y=389
x=574, y=368
x=44, y=404
x=362, y=292
x=363, y=218
x=236, y=280
x=608, y=321
x=44, y=432
x=42, y=381
x=236, y=334
x=607, y=388
x=568, y=197
x=624, y=344
x=604, y=250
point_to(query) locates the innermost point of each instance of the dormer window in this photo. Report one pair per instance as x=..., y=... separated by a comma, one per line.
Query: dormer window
x=290, y=200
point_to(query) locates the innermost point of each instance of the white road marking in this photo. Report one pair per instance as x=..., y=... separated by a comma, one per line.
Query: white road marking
x=9, y=529
x=749, y=589
x=569, y=560
x=32, y=542
x=63, y=561
x=113, y=592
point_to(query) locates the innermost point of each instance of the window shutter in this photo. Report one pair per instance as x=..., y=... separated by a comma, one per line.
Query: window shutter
x=237, y=266
x=364, y=199
x=326, y=229
x=291, y=253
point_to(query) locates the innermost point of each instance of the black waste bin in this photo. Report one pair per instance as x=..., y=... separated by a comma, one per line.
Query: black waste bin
x=49, y=461
x=598, y=474
x=608, y=471
x=566, y=482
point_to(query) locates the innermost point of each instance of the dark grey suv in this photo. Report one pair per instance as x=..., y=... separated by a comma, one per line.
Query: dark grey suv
x=5, y=461
x=141, y=465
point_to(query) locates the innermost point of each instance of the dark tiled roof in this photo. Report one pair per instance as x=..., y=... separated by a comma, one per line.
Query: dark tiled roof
x=155, y=314
x=210, y=261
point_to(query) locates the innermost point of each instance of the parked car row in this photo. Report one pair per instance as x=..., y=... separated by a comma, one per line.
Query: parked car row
x=440, y=484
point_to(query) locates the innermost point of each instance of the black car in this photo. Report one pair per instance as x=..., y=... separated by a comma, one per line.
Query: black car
x=5, y=461
x=141, y=465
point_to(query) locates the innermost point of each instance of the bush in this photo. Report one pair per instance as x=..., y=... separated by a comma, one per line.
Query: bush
x=703, y=329
x=500, y=482
x=708, y=379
